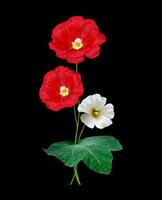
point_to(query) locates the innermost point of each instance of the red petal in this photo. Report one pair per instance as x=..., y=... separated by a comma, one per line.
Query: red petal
x=75, y=60
x=100, y=39
x=57, y=31
x=75, y=54
x=93, y=52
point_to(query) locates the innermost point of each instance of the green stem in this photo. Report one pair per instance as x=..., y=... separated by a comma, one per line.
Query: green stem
x=81, y=132
x=77, y=127
x=76, y=67
x=76, y=175
x=75, y=115
x=77, y=119
x=72, y=179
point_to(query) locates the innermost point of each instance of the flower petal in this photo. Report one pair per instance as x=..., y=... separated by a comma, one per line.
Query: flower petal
x=95, y=55
x=87, y=120
x=100, y=39
x=73, y=54
x=102, y=122
x=84, y=107
x=108, y=111
x=97, y=101
x=103, y=101
x=92, y=52
x=94, y=98
x=75, y=60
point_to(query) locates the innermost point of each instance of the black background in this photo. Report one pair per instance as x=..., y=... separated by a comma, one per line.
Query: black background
x=115, y=74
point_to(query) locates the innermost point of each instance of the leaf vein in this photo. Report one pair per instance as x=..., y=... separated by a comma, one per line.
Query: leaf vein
x=90, y=153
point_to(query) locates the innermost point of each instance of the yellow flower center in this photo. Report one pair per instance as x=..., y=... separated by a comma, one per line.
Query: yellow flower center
x=77, y=44
x=64, y=91
x=95, y=113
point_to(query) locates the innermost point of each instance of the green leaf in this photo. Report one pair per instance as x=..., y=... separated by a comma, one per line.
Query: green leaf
x=99, y=156
x=109, y=142
x=95, y=152
x=99, y=161
x=67, y=152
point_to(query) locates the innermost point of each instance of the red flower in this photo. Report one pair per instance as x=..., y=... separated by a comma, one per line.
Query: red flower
x=62, y=87
x=75, y=38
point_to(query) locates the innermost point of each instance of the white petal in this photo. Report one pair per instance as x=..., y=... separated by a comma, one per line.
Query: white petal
x=95, y=101
x=103, y=101
x=85, y=103
x=98, y=101
x=87, y=120
x=96, y=97
x=110, y=106
x=108, y=111
x=90, y=102
x=89, y=99
x=84, y=107
x=103, y=122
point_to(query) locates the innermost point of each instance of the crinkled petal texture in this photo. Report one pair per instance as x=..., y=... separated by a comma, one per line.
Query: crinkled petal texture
x=77, y=27
x=96, y=113
x=50, y=91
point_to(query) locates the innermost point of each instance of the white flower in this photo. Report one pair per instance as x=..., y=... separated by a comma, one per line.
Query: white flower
x=96, y=113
